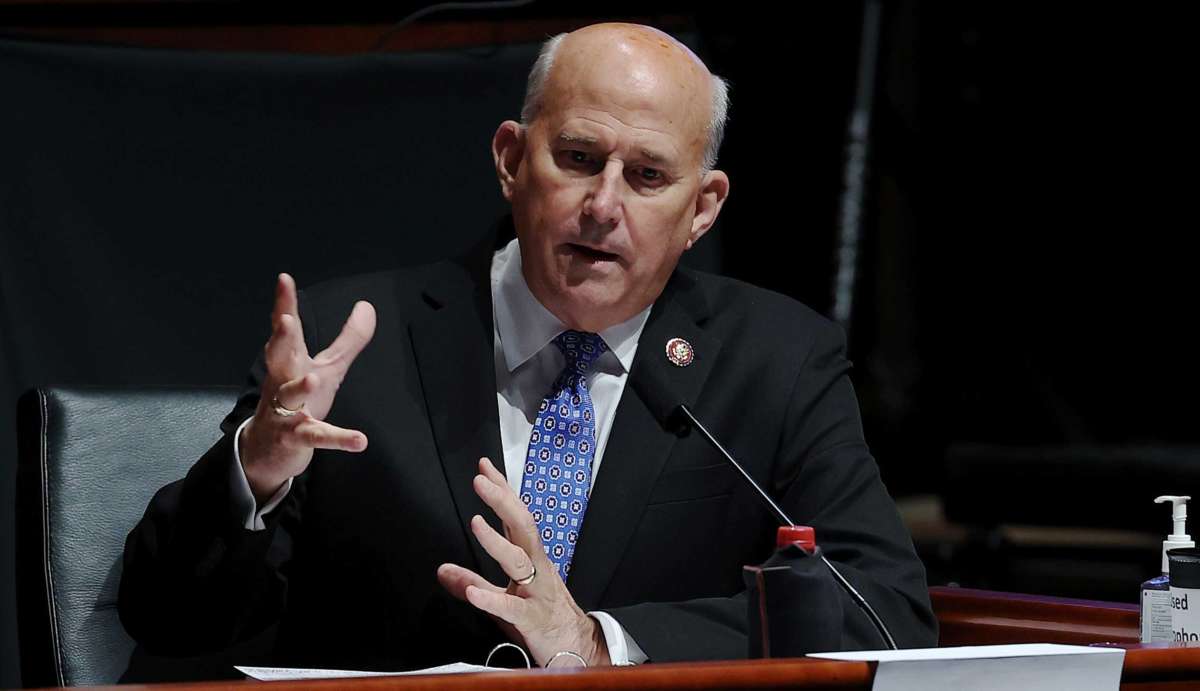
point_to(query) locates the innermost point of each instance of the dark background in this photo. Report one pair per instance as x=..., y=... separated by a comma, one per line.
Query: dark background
x=1022, y=320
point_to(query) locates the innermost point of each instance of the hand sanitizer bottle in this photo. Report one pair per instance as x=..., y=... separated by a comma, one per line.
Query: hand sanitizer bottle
x=1156, y=593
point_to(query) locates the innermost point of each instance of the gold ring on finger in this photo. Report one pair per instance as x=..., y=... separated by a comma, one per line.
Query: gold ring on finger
x=528, y=579
x=283, y=411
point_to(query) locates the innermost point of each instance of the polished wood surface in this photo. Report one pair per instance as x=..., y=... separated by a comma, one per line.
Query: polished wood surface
x=978, y=617
x=981, y=617
x=1161, y=662
x=1146, y=669
x=738, y=674
x=967, y=617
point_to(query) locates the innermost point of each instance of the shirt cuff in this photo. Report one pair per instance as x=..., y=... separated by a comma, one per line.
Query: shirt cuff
x=622, y=649
x=245, y=508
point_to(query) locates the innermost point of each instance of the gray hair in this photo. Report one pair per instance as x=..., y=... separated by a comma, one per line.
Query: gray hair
x=536, y=87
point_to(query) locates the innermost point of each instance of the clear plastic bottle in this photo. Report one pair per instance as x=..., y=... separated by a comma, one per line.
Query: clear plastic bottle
x=1155, y=618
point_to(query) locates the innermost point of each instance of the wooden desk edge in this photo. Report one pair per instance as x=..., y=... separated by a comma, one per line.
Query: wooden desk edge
x=968, y=617
x=734, y=674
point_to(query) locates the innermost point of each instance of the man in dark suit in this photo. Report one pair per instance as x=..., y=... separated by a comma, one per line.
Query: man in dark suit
x=614, y=541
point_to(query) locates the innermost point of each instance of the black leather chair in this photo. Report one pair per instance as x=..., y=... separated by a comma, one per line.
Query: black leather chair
x=89, y=461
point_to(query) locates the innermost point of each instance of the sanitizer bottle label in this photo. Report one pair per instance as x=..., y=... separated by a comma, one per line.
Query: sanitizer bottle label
x=1156, y=616
x=1185, y=616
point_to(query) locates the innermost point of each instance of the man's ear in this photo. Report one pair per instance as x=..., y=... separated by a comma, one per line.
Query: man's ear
x=714, y=188
x=508, y=150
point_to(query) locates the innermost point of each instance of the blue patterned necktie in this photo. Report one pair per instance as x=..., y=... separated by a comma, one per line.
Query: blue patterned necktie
x=558, y=467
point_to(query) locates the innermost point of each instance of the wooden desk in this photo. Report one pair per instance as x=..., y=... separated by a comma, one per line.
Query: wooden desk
x=967, y=617
x=981, y=617
x=975, y=617
x=797, y=673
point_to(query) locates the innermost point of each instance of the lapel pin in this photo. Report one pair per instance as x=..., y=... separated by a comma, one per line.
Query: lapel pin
x=680, y=352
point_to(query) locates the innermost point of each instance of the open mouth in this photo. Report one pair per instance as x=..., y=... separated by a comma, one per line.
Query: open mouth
x=593, y=255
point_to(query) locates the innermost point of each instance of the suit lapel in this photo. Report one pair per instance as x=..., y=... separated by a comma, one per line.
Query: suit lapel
x=638, y=447
x=454, y=353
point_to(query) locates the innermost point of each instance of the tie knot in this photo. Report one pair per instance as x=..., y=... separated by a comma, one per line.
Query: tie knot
x=580, y=348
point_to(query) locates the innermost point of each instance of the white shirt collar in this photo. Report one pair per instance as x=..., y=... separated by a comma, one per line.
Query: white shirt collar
x=525, y=326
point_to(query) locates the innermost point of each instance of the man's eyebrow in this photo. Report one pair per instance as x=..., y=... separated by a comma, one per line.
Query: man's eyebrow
x=653, y=157
x=583, y=140
x=576, y=139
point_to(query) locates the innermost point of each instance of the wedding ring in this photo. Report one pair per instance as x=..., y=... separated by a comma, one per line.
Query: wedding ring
x=282, y=411
x=528, y=579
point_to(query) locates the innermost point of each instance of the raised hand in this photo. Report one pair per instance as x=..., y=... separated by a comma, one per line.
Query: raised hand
x=297, y=394
x=536, y=609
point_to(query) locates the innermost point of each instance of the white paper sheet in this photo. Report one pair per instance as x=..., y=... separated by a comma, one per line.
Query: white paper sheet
x=293, y=673
x=1026, y=667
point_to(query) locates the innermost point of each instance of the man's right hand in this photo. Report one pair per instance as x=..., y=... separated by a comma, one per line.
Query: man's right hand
x=274, y=445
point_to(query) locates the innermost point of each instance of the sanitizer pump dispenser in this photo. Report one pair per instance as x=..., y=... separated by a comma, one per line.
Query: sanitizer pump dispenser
x=1156, y=596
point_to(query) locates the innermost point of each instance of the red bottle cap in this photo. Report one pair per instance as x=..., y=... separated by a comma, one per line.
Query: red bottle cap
x=802, y=535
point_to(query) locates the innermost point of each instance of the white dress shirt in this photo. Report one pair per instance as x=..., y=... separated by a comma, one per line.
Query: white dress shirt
x=527, y=363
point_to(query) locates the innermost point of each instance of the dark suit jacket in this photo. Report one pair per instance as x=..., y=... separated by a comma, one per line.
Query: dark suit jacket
x=347, y=562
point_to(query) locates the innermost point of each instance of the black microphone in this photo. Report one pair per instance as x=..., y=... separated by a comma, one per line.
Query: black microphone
x=675, y=417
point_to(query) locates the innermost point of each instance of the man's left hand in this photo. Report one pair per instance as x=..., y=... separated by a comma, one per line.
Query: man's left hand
x=541, y=614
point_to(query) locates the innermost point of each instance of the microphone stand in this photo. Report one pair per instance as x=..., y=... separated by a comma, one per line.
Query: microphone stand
x=783, y=519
